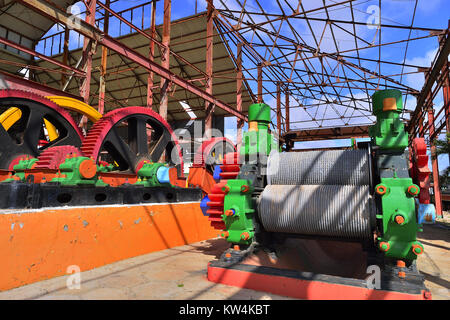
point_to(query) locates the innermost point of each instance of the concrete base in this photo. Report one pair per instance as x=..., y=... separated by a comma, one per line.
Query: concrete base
x=44, y=243
x=180, y=273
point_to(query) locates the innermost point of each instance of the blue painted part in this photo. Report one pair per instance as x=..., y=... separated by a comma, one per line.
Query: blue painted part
x=162, y=174
x=203, y=205
x=426, y=214
x=217, y=171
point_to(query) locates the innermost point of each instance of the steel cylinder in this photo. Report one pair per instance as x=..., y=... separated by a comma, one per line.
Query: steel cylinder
x=332, y=167
x=342, y=211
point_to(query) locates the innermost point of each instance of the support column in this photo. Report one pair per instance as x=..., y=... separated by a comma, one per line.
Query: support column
x=434, y=163
x=287, y=124
x=103, y=67
x=151, y=75
x=260, y=95
x=240, y=122
x=65, y=53
x=165, y=60
x=88, y=51
x=279, y=109
x=209, y=107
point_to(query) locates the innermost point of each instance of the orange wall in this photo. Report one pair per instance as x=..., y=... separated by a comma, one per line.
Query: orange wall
x=38, y=245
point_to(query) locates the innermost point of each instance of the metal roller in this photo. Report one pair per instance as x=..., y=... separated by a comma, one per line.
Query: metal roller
x=326, y=210
x=335, y=167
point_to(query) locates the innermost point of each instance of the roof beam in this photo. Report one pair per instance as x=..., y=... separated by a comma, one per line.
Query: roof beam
x=93, y=33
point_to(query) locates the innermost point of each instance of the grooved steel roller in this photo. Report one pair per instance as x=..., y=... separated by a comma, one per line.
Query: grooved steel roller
x=326, y=210
x=334, y=167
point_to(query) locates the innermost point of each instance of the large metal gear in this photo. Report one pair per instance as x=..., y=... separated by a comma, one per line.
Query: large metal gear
x=212, y=151
x=24, y=137
x=129, y=137
x=51, y=158
x=230, y=170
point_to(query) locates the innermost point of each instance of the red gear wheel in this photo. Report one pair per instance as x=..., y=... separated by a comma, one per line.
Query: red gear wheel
x=230, y=170
x=420, y=171
x=93, y=142
x=53, y=157
x=33, y=97
x=206, y=149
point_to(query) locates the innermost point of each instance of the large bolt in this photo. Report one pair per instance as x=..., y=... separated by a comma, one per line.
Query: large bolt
x=385, y=246
x=413, y=190
x=245, y=188
x=381, y=189
x=245, y=236
x=226, y=189
x=399, y=219
x=417, y=249
x=230, y=213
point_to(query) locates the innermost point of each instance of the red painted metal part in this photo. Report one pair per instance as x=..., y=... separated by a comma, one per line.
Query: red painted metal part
x=419, y=170
x=5, y=174
x=205, y=149
x=115, y=179
x=304, y=289
x=94, y=139
x=53, y=157
x=434, y=165
x=230, y=170
x=13, y=82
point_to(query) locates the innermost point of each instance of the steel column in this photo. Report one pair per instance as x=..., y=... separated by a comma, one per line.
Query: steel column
x=165, y=60
x=151, y=57
x=209, y=107
x=240, y=122
x=287, y=116
x=65, y=53
x=434, y=163
x=260, y=94
x=90, y=19
x=279, y=109
x=103, y=67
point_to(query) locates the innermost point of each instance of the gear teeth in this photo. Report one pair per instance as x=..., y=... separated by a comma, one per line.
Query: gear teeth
x=93, y=141
x=231, y=169
x=53, y=157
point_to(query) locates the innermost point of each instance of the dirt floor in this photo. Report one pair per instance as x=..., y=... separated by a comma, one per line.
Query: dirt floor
x=180, y=273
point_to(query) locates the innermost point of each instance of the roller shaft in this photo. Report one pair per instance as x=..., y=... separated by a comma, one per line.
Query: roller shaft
x=326, y=210
x=335, y=167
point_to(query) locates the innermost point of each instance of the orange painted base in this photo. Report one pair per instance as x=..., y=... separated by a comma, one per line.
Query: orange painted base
x=42, y=244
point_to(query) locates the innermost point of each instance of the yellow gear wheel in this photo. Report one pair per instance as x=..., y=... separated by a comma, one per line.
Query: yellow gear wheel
x=12, y=115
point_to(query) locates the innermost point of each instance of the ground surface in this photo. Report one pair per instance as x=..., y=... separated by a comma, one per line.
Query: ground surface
x=180, y=273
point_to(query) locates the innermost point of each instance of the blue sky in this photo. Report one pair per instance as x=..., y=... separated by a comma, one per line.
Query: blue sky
x=429, y=13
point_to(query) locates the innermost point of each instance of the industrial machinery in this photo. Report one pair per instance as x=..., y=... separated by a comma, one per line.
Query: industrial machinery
x=46, y=161
x=334, y=224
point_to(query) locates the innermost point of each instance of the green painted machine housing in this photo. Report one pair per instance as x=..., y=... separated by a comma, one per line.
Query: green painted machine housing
x=19, y=169
x=389, y=131
x=257, y=143
x=396, y=190
x=147, y=175
x=70, y=173
x=399, y=239
x=258, y=139
x=239, y=212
